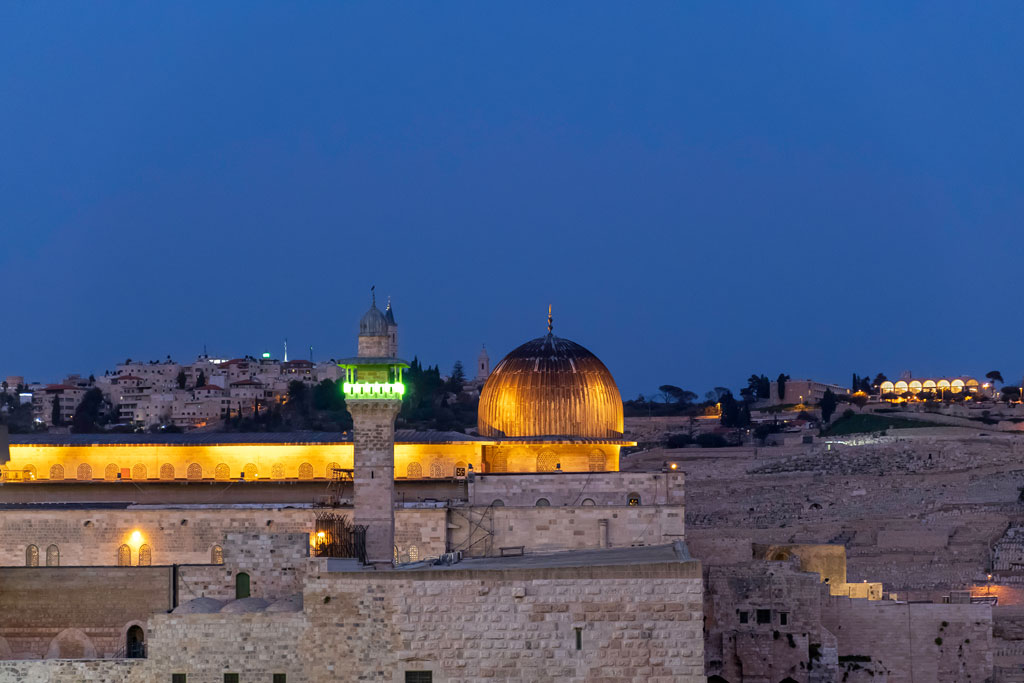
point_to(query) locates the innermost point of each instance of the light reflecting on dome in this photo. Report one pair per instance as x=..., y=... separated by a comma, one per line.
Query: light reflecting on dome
x=550, y=387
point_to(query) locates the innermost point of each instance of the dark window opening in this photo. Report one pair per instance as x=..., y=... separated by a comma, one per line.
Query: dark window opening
x=764, y=616
x=135, y=643
x=280, y=678
x=744, y=617
x=241, y=585
x=783, y=618
x=579, y=638
x=177, y=678
x=230, y=678
x=419, y=677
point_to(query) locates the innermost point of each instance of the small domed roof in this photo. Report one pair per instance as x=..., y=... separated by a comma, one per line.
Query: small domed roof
x=199, y=606
x=373, y=323
x=550, y=386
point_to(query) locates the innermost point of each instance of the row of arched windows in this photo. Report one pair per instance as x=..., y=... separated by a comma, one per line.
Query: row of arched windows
x=52, y=556
x=632, y=499
x=438, y=469
x=193, y=472
x=124, y=556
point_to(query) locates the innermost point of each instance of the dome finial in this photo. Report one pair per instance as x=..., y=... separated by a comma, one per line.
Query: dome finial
x=373, y=296
x=550, y=319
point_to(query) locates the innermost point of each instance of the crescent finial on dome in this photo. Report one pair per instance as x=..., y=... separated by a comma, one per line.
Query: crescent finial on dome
x=550, y=319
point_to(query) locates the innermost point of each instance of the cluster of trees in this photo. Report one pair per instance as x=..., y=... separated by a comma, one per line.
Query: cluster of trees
x=431, y=402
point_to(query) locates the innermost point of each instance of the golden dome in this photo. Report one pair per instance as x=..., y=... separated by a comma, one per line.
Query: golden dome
x=550, y=387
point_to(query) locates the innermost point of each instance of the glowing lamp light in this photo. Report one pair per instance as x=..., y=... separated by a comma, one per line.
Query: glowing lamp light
x=673, y=466
x=136, y=537
x=320, y=535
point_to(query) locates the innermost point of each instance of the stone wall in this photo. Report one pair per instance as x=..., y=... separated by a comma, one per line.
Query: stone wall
x=277, y=565
x=75, y=612
x=915, y=641
x=637, y=623
x=76, y=671
x=613, y=488
x=552, y=528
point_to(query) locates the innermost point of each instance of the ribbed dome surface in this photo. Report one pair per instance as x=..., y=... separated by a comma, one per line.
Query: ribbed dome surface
x=373, y=323
x=550, y=387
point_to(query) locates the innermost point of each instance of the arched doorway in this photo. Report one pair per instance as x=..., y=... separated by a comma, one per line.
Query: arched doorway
x=135, y=643
x=716, y=679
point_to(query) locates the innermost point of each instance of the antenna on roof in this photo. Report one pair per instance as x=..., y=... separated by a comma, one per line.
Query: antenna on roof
x=286, y=350
x=550, y=319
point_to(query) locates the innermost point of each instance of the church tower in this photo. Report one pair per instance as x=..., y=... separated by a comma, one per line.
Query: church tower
x=373, y=393
x=389, y=318
x=483, y=364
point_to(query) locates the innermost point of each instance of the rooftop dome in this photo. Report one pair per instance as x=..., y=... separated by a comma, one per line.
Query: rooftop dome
x=550, y=386
x=373, y=323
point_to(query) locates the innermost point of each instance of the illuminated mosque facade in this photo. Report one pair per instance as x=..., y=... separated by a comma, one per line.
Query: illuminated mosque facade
x=549, y=405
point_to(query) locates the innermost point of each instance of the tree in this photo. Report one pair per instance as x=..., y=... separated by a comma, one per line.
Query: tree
x=730, y=411
x=3, y=385
x=855, y=383
x=181, y=379
x=865, y=385
x=828, y=405
x=201, y=380
x=298, y=396
x=457, y=379
x=1010, y=393
x=681, y=397
x=87, y=414
x=55, y=417
x=782, y=385
x=994, y=376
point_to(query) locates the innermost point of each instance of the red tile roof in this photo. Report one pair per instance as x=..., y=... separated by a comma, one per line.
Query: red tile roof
x=60, y=387
x=246, y=382
x=211, y=387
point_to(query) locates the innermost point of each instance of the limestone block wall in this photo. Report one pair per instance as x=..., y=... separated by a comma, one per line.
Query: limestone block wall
x=277, y=565
x=613, y=488
x=550, y=528
x=945, y=643
x=74, y=612
x=637, y=623
x=76, y=671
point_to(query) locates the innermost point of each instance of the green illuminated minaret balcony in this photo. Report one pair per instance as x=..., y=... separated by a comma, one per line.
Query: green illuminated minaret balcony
x=373, y=378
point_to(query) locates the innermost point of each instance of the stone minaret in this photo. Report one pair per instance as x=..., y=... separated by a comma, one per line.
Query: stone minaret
x=373, y=392
x=483, y=364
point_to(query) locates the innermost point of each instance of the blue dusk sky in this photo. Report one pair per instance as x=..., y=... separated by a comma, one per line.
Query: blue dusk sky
x=702, y=190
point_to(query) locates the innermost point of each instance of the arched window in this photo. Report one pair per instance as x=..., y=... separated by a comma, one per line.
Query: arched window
x=588, y=501
x=241, y=585
x=633, y=499
x=596, y=461
x=277, y=471
x=498, y=503
x=460, y=469
x=305, y=471
x=414, y=471
x=110, y=472
x=332, y=470
x=124, y=556
x=84, y=472
x=145, y=556
x=436, y=470
x=166, y=471
x=57, y=472
x=547, y=461
x=32, y=556
x=222, y=472
x=414, y=554
x=52, y=556
x=250, y=471
x=135, y=643
x=139, y=471
x=216, y=555
x=194, y=471
x=543, y=503
x=498, y=462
